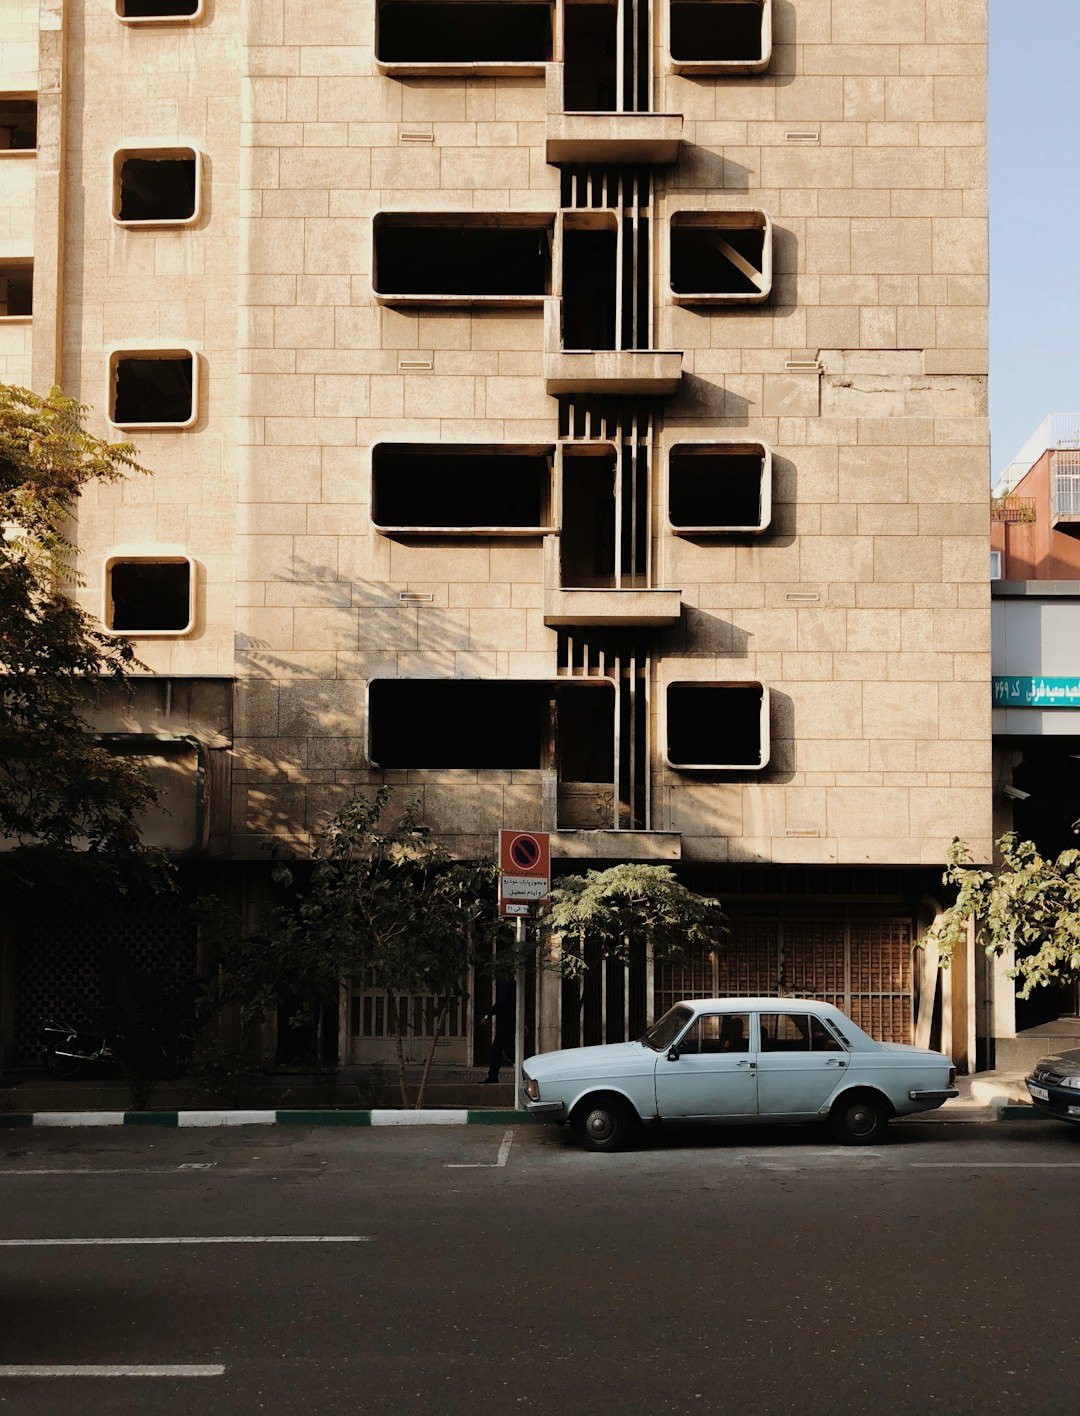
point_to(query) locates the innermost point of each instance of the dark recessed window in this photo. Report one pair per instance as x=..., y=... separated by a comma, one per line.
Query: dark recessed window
x=468, y=723
x=722, y=32
x=156, y=187
x=157, y=9
x=719, y=487
x=414, y=32
x=720, y=257
x=153, y=389
x=717, y=726
x=462, y=257
x=460, y=489
x=18, y=124
x=149, y=596
x=16, y=289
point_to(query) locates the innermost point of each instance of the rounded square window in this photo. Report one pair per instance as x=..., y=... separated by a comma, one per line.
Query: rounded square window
x=720, y=257
x=149, y=595
x=156, y=186
x=717, y=489
x=159, y=12
x=717, y=727
x=153, y=388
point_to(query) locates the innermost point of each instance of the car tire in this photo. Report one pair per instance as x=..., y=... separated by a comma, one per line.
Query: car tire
x=859, y=1119
x=603, y=1123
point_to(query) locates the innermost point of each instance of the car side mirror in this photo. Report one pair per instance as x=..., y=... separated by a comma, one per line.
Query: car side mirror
x=673, y=1054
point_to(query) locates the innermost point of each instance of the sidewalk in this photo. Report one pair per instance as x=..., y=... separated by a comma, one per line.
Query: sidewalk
x=455, y=1096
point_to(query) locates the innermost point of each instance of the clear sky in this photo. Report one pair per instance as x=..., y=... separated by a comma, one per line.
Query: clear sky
x=1034, y=218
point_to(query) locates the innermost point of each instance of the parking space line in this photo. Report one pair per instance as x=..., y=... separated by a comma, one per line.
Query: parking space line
x=191, y=1239
x=498, y=1164
x=141, y=1369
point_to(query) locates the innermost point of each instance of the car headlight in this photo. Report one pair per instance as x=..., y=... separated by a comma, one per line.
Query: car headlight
x=532, y=1086
x=1071, y=1082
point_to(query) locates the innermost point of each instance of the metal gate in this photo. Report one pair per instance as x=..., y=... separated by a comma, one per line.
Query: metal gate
x=862, y=966
x=371, y=1031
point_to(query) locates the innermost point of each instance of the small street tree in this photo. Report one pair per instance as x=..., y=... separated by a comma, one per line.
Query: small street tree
x=67, y=804
x=625, y=905
x=1029, y=903
x=380, y=902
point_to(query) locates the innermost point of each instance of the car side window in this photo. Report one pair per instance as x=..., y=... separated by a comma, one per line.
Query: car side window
x=718, y=1032
x=821, y=1039
x=785, y=1032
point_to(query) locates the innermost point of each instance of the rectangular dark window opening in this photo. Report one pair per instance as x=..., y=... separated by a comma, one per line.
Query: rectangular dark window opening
x=150, y=596
x=588, y=310
x=716, y=488
x=153, y=388
x=587, y=541
x=158, y=188
x=720, y=31
x=449, y=33
x=590, y=42
x=156, y=9
x=18, y=124
x=418, y=257
x=715, y=725
x=468, y=723
x=713, y=259
x=459, y=489
x=586, y=732
x=16, y=289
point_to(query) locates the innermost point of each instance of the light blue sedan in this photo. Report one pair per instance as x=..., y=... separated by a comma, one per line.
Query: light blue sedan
x=738, y=1060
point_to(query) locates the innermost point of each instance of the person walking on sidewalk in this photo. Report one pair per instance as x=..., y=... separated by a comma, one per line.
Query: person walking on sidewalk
x=504, y=1012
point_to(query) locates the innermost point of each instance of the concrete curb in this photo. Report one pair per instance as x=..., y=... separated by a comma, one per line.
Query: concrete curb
x=56, y=1119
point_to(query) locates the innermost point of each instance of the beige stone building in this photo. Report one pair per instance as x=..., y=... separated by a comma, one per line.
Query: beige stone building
x=570, y=414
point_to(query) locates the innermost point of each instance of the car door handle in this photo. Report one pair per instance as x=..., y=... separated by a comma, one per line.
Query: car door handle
x=751, y=1065
x=836, y=1062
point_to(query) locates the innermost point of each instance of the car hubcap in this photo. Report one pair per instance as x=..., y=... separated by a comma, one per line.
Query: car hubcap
x=600, y=1125
x=861, y=1120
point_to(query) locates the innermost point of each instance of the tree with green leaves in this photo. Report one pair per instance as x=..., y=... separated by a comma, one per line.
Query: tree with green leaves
x=623, y=906
x=1029, y=904
x=67, y=804
x=381, y=902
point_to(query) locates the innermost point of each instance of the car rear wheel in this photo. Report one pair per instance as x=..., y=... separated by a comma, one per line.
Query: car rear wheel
x=859, y=1119
x=603, y=1123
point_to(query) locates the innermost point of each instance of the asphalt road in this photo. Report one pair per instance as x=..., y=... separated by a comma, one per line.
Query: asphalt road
x=497, y=1271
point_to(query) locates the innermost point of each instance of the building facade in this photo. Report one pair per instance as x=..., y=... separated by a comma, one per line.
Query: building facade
x=1035, y=561
x=570, y=415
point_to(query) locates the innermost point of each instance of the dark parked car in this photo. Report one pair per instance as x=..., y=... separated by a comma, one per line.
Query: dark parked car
x=1054, y=1085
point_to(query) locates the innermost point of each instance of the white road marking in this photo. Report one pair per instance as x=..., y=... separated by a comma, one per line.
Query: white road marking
x=193, y=1239
x=143, y=1369
x=499, y=1164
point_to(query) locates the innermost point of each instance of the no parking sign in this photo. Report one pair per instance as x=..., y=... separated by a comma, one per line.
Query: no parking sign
x=525, y=870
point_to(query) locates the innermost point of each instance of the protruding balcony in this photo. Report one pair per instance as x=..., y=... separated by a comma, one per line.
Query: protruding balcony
x=569, y=606
x=654, y=372
x=597, y=135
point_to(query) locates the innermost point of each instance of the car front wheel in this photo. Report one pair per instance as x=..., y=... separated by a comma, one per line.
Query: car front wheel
x=859, y=1119
x=603, y=1123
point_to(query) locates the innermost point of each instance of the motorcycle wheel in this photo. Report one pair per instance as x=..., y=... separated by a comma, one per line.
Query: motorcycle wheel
x=62, y=1067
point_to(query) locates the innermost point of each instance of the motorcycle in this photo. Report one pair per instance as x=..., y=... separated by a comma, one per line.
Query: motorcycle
x=68, y=1049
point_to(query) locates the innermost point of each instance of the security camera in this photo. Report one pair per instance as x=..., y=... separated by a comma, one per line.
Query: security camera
x=1015, y=794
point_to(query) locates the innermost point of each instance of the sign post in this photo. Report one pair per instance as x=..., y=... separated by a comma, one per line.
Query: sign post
x=524, y=882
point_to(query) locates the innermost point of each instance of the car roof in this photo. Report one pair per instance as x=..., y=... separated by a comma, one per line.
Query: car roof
x=772, y=1005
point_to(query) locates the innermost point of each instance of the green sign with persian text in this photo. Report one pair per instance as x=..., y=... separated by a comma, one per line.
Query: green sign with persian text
x=1018, y=691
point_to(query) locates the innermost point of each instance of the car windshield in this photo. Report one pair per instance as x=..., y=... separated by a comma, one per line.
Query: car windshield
x=666, y=1029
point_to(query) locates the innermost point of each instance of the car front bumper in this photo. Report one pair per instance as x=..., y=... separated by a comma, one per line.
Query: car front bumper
x=549, y=1110
x=1062, y=1103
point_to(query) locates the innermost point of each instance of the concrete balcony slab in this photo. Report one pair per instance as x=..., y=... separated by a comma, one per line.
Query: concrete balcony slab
x=614, y=137
x=646, y=609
